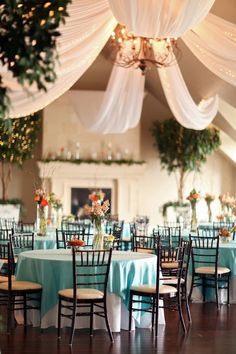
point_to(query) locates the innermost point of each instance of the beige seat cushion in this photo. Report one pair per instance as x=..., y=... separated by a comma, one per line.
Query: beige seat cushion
x=150, y=289
x=21, y=285
x=4, y=279
x=145, y=250
x=82, y=294
x=211, y=270
x=171, y=280
x=169, y=265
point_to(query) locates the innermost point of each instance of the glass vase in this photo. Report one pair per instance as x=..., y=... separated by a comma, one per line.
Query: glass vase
x=209, y=212
x=98, y=235
x=42, y=215
x=57, y=218
x=194, y=221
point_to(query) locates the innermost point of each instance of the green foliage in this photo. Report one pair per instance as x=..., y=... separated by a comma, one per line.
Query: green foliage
x=98, y=162
x=11, y=201
x=182, y=148
x=17, y=142
x=28, y=42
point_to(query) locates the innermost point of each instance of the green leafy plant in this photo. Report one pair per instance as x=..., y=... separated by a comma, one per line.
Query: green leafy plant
x=16, y=146
x=183, y=150
x=28, y=42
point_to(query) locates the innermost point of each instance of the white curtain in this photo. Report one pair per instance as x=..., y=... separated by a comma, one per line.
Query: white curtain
x=213, y=42
x=87, y=29
x=186, y=112
x=122, y=103
x=160, y=18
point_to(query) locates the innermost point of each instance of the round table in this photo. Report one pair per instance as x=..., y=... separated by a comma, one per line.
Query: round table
x=53, y=269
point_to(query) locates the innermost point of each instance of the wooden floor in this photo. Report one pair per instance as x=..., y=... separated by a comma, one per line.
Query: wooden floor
x=212, y=332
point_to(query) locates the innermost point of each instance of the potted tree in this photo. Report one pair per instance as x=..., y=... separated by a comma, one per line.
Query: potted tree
x=182, y=150
x=17, y=140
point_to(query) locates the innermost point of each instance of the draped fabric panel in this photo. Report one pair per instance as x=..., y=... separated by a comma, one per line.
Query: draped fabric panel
x=185, y=110
x=213, y=42
x=160, y=18
x=87, y=29
x=122, y=103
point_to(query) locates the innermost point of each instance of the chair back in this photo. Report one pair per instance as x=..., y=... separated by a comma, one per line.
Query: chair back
x=5, y=235
x=22, y=241
x=205, y=251
x=207, y=232
x=145, y=244
x=63, y=236
x=25, y=227
x=164, y=233
x=91, y=269
x=187, y=246
x=4, y=259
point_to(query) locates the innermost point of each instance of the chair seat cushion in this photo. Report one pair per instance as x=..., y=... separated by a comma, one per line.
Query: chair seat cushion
x=168, y=265
x=211, y=270
x=171, y=280
x=151, y=289
x=21, y=285
x=145, y=250
x=4, y=279
x=82, y=294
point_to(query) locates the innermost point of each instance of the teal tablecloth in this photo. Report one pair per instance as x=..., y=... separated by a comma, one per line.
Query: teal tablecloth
x=53, y=269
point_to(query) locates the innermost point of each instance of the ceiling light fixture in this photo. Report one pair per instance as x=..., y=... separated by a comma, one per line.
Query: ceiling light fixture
x=143, y=52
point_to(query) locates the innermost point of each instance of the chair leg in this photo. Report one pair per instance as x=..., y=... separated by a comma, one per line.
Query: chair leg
x=156, y=302
x=153, y=313
x=217, y=293
x=130, y=310
x=73, y=323
x=228, y=282
x=107, y=322
x=59, y=319
x=91, y=319
x=179, y=303
x=191, y=288
x=204, y=288
x=25, y=310
x=9, y=313
x=184, y=289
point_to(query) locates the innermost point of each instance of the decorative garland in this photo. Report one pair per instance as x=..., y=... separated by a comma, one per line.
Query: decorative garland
x=28, y=42
x=11, y=201
x=97, y=162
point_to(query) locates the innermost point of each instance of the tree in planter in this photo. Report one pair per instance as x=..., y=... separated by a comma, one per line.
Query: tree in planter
x=183, y=150
x=16, y=146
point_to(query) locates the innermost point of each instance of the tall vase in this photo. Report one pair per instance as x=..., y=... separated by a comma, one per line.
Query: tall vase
x=98, y=235
x=56, y=217
x=42, y=215
x=209, y=212
x=194, y=222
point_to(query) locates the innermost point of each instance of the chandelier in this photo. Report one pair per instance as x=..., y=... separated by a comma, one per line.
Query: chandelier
x=143, y=52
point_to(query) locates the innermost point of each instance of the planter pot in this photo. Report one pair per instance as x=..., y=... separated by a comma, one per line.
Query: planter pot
x=10, y=211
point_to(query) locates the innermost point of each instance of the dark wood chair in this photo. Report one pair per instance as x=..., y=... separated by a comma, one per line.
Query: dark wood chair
x=63, y=236
x=144, y=244
x=90, y=276
x=147, y=296
x=18, y=295
x=21, y=241
x=173, y=280
x=205, y=269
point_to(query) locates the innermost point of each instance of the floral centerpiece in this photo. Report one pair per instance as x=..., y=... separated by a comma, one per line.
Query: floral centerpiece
x=193, y=198
x=56, y=205
x=209, y=199
x=42, y=200
x=76, y=243
x=225, y=234
x=97, y=212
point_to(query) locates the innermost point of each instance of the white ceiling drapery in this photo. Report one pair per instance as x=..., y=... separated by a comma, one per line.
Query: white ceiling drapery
x=122, y=103
x=185, y=110
x=213, y=42
x=160, y=18
x=87, y=30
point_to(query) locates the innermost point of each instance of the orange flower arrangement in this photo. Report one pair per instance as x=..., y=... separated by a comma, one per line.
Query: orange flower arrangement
x=76, y=243
x=224, y=232
x=41, y=197
x=193, y=196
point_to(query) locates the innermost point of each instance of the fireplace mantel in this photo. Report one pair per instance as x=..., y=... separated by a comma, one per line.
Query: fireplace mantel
x=122, y=179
